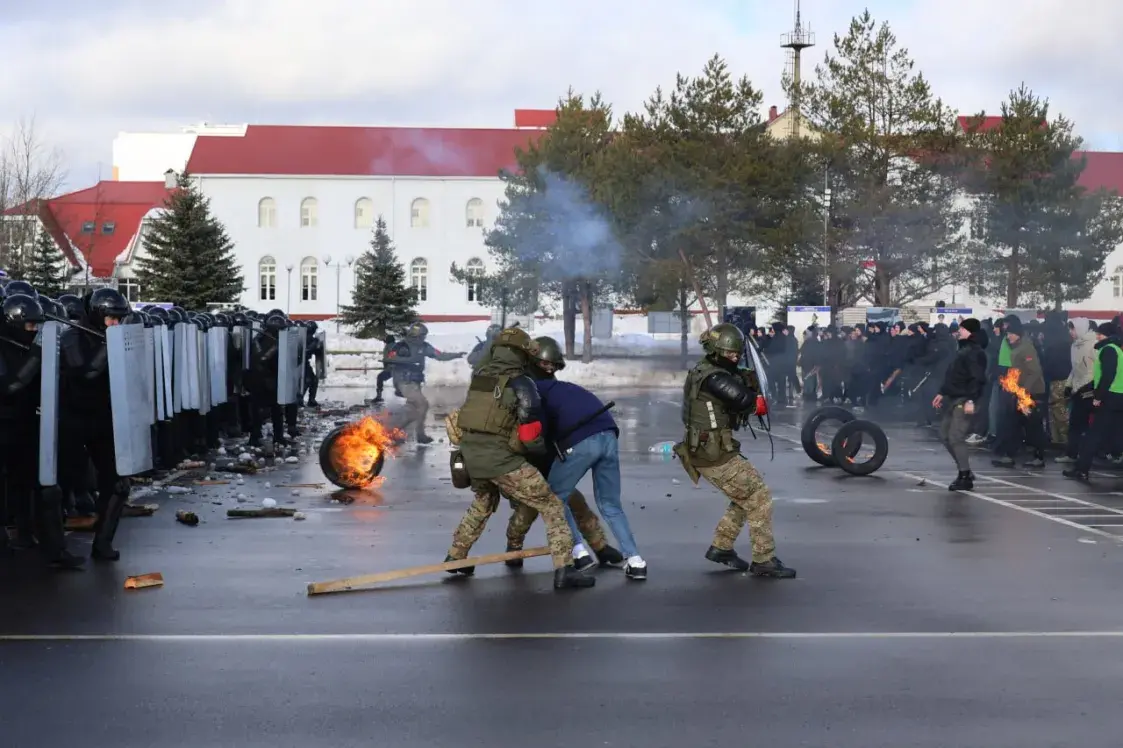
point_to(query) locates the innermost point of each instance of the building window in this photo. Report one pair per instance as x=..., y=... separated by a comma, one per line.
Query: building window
x=267, y=273
x=419, y=278
x=108, y=227
x=130, y=289
x=88, y=227
x=419, y=214
x=266, y=213
x=308, y=279
x=474, y=268
x=364, y=213
x=474, y=213
x=1117, y=283
x=309, y=210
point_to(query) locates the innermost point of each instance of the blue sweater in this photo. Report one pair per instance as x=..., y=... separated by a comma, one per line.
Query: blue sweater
x=565, y=404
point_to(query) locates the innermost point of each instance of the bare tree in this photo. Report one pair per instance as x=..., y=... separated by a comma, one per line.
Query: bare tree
x=30, y=171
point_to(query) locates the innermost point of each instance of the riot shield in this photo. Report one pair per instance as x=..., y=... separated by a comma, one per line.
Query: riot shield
x=203, y=371
x=322, y=357
x=247, y=333
x=217, y=345
x=190, y=372
x=48, y=404
x=302, y=362
x=166, y=369
x=158, y=373
x=130, y=398
x=150, y=370
x=287, y=376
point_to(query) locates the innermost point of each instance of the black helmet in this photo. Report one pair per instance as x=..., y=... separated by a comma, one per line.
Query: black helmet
x=52, y=308
x=22, y=288
x=106, y=302
x=22, y=309
x=312, y=325
x=549, y=351
x=75, y=310
x=240, y=319
x=278, y=312
x=175, y=316
x=417, y=330
x=135, y=317
x=276, y=323
x=223, y=320
x=157, y=312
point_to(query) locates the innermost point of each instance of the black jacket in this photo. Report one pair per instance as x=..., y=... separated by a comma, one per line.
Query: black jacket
x=731, y=390
x=966, y=377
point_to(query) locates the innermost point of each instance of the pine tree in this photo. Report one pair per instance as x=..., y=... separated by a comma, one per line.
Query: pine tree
x=383, y=303
x=188, y=258
x=47, y=268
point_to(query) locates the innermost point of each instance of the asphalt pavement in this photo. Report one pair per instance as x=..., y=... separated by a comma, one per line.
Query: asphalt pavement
x=919, y=617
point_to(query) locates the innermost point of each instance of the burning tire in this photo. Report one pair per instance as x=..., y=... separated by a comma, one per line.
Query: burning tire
x=848, y=441
x=822, y=453
x=349, y=459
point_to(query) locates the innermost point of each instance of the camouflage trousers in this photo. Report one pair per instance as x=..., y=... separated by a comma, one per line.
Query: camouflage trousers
x=750, y=501
x=523, y=517
x=1058, y=412
x=525, y=486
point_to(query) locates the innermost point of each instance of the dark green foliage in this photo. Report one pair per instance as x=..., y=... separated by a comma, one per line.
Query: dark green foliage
x=46, y=267
x=188, y=259
x=383, y=303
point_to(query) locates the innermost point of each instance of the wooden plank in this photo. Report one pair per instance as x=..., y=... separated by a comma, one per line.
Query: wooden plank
x=276, y=511
x=351, y=584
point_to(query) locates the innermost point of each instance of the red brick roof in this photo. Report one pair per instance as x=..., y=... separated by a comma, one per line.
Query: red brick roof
x=359, y=151
x=121, y=204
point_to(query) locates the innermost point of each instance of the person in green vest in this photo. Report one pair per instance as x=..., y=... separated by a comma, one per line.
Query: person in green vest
x=1107, y=400
x=718, y=398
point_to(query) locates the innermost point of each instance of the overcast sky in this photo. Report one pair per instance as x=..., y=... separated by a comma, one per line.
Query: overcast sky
x=87, y=69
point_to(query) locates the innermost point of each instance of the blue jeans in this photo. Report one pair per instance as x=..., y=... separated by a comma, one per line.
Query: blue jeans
x=599, y=453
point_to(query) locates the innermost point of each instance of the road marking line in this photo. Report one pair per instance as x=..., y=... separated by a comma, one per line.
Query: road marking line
x=1042, y=492
x=1034, y=512
x=677, y=635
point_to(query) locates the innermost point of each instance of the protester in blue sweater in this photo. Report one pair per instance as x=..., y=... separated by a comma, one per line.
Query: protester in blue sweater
x=591, y=446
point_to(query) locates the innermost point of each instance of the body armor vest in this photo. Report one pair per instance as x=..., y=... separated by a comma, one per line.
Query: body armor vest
x=489, y=408
x=709, y=426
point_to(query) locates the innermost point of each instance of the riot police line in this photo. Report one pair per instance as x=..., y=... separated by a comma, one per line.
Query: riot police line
x=94, y=392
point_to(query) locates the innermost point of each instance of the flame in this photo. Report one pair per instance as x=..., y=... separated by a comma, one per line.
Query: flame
x=1009, y=382
x=358, y=447
x=827, y=450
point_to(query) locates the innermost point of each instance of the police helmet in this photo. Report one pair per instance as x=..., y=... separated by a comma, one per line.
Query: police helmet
x=276, y=323
x=240, y=319
x=52, y=308
x=75, y=310
x=21, y=310
x=724, y=340
x=23, y=288
x=549, y=351
x=417, y=330
x=106, y=303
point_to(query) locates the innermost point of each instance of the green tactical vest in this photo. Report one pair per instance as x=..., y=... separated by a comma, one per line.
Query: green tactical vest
x=1116, y=385
x=709, y=427
x=1004, y=353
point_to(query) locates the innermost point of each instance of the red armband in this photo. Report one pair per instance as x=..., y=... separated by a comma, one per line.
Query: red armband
x=528, y=432
x=761, y=406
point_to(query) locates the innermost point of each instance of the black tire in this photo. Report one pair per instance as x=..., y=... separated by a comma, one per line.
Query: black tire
x=811, y=426
x=844, y=441
x=331, y=471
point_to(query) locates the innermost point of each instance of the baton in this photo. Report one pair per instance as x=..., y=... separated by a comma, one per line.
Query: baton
x=17, y=344
x=583, y=422
x=75, y=325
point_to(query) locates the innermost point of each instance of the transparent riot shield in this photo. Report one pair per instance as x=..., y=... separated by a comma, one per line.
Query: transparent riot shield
x=218, y=342
x=203, y=371
x=191, y=366
x=167, y=352
x=247, y=333
x=302, y=360
x=49, y=336
x=130, y=399
x=322, y=357
x=150, y=371
x=287, y=377
x=158, y=372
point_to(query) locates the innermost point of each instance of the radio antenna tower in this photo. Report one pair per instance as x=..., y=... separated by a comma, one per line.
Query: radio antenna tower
x=797, y=40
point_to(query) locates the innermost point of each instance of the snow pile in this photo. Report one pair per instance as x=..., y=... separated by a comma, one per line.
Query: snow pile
x=635, y=358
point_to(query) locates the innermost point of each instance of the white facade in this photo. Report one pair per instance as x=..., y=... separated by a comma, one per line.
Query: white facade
x=145, y=156
x=314, y=224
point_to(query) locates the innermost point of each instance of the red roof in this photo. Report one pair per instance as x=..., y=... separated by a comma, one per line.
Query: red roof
x=118, y=206
x=535, y=117
x=359, y=151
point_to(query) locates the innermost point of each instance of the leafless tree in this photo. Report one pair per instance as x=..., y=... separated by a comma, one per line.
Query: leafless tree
x=30, y=170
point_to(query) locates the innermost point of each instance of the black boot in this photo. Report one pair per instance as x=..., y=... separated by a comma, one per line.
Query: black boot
x=727, y=558
x=466, y=571
x=423, y=438
x=106, y=529
x=772, y=568
x=1074, y=474
x=567, y=577
x=965, y=481
x=609, y=556
x=52, y=533
x=514, y=563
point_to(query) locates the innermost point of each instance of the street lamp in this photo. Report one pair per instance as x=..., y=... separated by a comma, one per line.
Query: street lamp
x=826, y=239
x=350, y=260
x=288, y=290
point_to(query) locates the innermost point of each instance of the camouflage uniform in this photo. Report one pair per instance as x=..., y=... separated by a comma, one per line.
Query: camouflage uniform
x=717, y=399
x=524, y=516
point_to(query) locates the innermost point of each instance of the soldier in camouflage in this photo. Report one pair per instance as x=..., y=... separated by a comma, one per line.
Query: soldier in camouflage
x=718, y=398
x=500, y=425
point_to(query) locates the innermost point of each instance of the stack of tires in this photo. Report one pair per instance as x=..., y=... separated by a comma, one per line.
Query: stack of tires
x=847, y=441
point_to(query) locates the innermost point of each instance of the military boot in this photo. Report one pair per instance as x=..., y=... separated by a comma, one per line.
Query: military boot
x=965, y=481
x=106, y=528
x=568, y=577
x=772, y=568
x=52, y=533
x=466, y=571
x=727, y=558
x=514, y=563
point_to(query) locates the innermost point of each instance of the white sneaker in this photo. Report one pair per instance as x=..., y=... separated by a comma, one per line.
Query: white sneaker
x=635, y=568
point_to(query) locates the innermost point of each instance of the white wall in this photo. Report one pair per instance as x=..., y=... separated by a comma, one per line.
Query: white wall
x=144, y=157
x=447, y=239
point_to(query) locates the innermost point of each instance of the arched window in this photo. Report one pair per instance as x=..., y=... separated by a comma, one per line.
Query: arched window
x=474, y=213
x=1117, y=282
x=419, y=277
x=419, y=214
x=266, y=213
x=474, y=268
x=364, y=213
x=309, y=209
x=267, y=275
x=308, y=279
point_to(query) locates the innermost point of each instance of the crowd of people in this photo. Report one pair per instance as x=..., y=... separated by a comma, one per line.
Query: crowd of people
x=1065, y=373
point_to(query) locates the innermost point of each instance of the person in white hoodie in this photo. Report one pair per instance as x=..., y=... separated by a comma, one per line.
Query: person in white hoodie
x=1079, y=386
